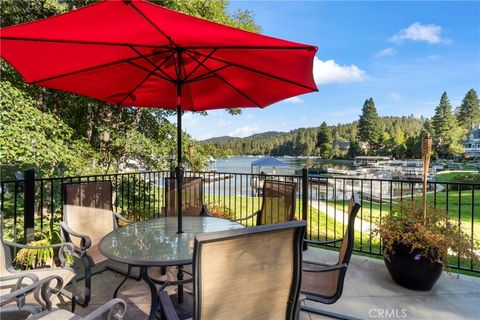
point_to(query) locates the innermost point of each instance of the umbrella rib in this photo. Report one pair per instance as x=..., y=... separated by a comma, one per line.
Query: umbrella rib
x=260, y=72
x=153, y=64
x=135, y=88
x=227, y=82
x=199, y=64
x=99, y=43
x=138, y=11
x=252, y=47
x=147, y=70
x=207, y=75
x=128, y=60
x=143, y=81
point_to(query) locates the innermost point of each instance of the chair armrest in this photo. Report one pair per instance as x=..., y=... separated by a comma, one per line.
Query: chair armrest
x=19, y=294
x=85, y=241
x=323, y=242
x=325, y=268
x=19, y=277
x=246, y=218
x=65, y=248
x=166, y=307
x=116, y=310
x=120, y=218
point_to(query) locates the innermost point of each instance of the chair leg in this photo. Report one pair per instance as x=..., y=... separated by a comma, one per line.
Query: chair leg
x=327, y=313
x=87, y=265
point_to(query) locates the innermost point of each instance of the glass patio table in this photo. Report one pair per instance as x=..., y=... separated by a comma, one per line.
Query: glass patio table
x=155, y=243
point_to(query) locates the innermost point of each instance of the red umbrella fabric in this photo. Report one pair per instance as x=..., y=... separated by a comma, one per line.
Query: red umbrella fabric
x=135, y=53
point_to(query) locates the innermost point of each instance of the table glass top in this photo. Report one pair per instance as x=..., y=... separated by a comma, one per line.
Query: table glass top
x=156, y=242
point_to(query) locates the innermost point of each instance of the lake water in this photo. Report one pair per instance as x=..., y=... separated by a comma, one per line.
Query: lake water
x=243, y=165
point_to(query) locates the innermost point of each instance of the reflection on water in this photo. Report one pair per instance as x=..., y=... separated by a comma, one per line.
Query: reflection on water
x=243, y=164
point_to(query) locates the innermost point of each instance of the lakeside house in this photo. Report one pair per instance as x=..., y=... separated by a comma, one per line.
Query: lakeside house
x=472, y=143
x=341, y=145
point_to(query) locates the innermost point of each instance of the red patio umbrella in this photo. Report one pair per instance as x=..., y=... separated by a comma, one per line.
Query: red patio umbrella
x=135, y=53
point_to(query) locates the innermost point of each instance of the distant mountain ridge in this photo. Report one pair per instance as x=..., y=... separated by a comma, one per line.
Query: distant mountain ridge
x=302, y=141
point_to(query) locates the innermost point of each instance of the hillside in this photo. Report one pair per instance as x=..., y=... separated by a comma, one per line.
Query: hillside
x=302, y=141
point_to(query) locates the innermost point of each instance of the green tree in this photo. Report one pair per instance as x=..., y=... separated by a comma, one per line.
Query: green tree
x=446, y=132
x=369, y=130
x=468, y=113
x=355, y=149
x=325, y=141
x=30, y=137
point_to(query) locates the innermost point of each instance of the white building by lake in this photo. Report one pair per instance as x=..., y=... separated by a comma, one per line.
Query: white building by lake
x=472, y=143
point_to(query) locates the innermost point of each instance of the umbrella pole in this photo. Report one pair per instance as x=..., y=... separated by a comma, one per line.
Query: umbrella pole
x=179, y=169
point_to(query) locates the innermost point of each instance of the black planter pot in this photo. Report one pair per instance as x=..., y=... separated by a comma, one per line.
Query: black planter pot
x=411, y=270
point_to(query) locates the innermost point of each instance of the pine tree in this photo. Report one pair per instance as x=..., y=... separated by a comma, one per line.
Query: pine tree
x=325, y=141
x=446, y=132
x=369, y=129
x=468, y=113
x=355, y=149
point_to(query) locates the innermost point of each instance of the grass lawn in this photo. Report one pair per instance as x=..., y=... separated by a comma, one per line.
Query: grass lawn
x=459, y=208
x=454, y=176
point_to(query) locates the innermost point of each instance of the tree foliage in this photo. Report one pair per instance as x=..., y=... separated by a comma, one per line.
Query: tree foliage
x=369, y=130
x=446, y=132
x=304, y=141
x=468, y=113
x=30, y=137
x=325, y=141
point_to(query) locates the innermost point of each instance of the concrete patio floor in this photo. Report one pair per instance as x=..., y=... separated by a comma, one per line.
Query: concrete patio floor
x=369, y=293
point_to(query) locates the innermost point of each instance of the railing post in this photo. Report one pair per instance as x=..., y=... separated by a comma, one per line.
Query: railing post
x=305, y=201
x=29, y=205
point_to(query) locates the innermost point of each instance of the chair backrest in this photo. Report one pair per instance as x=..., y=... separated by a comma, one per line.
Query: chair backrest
x=278, y=203
x=192, y=196
x=329, y=287
x=348, y=238
x=5, y=259
x=87, y=209
x=251, y=273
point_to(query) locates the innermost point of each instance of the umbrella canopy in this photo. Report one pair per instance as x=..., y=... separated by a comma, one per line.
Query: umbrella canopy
x=135, y=53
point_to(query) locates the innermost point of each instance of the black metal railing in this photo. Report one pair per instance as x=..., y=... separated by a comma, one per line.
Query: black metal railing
x=321, y=200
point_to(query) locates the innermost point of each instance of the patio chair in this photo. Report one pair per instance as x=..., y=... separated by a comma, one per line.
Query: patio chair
x=192, y=197
x=278, y=203
x=87, y=217
x=14, y=301
x=322, y=282
x=13, y=279
x=112, y=310
x=246, y=285
x=192, y=200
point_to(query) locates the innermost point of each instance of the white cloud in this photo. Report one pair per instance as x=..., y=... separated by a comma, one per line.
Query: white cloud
x=330, y=72
x=395, y=96
x=223, y=122
x=387, y=52
x=190, y=120
x=294, y=100
x=430, y=33
x=244, y=131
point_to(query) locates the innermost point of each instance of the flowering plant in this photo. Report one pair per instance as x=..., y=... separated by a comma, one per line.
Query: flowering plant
x=433, y=236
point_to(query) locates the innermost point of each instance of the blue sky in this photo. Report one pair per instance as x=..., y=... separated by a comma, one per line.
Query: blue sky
x=403, y=54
